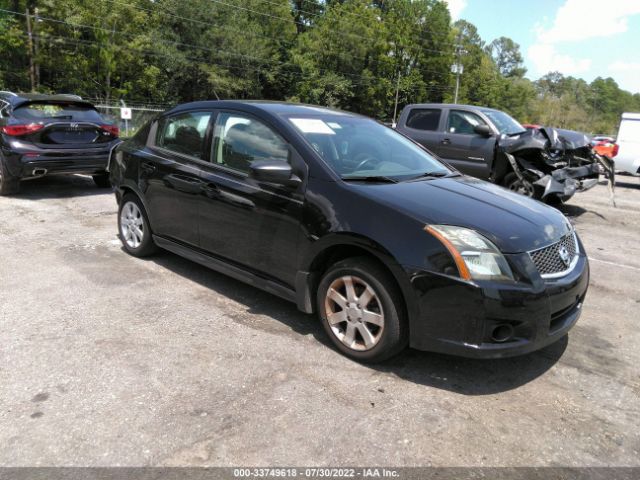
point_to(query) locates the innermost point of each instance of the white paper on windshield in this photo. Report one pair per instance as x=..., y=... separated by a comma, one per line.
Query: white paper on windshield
x=312, y=125
x=334, y=125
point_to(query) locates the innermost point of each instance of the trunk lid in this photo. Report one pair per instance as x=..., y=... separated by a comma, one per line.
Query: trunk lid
x=70, y=134
x=65, y=124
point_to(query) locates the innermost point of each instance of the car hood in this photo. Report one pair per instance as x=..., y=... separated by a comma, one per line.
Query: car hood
x=543, y=139
x=514, y=223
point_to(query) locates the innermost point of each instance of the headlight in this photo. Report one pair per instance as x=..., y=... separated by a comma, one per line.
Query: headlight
x=475, y=256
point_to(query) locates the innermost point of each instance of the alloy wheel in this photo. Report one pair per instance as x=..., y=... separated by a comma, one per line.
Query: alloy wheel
x=522, y=187
x=354, y=312
x=132, y=225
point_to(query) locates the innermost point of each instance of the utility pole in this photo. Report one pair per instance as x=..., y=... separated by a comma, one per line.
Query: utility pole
x=457, y=72
x=32, y=69
x=395, y=108
x=35, y=47
x=458, y=68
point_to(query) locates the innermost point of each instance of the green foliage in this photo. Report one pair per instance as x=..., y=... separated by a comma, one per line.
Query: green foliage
x=506, y=55
x=352, y=54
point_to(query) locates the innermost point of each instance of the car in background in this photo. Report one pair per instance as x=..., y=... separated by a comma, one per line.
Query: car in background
x=52, y=135
x=602, y=138
x=543, y=163
x=605, y=145
x=628, y=140
x=353, y=221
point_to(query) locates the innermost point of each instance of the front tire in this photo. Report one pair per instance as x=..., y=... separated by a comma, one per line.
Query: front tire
x=362, y=310
x=133, y=227
x=513, y=183
x=9, y=185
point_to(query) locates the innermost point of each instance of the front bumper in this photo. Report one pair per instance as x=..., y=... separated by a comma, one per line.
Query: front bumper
x=565, y=182
x=461, y=318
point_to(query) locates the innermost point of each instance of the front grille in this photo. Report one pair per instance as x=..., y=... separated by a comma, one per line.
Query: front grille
x=548, y=260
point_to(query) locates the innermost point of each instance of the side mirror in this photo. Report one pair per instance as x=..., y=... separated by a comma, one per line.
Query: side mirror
x=273, y=171
x=483, y=130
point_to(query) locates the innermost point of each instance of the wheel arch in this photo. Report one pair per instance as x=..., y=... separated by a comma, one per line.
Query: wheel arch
x=131, y=187
x=339, y=247
x=500, y=167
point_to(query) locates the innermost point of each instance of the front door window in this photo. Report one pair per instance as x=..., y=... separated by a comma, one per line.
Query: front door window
x=241, y=140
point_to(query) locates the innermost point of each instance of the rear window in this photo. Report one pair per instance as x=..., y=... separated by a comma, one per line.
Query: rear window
x=424, y=118
x=64, y=111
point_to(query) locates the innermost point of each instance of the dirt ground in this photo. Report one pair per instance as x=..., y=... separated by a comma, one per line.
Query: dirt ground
x=110, y=360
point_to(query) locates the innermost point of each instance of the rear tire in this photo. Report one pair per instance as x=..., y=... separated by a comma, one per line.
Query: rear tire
x=102, y=180
x=9, y=185
x=133, y=227
x=362, y=310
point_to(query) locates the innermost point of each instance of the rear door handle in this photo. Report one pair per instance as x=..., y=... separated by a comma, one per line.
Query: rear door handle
x=149, y=167
x=184, y=183
x=446, y=141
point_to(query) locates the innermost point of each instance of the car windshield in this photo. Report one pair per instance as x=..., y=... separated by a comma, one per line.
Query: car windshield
x=68, y=111
x=505, y=124
x=361, y=148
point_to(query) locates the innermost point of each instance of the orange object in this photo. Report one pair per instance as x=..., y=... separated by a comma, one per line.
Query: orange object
x=606, y=149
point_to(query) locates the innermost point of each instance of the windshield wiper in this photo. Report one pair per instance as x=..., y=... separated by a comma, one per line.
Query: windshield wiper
x=436, y=174
x=370, y=178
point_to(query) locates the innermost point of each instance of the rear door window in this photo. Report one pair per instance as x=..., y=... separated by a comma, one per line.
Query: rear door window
x=463, y=122
x=424, y=119
x=34, y=112
x=184, y=133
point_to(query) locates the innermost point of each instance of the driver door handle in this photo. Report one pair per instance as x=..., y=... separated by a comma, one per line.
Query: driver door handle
x=445, y=141
x=210, y=190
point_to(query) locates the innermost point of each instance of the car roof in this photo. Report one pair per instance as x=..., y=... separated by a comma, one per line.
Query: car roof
x=272, y=107
x=17, y=99
x=450, y=105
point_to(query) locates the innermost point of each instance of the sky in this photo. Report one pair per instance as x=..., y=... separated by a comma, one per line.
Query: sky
x=582, y=38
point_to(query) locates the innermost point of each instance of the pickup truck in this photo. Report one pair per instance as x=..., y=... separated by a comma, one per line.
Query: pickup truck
x=544, y=163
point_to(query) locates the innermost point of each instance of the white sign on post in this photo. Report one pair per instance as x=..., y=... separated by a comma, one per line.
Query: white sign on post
x=125, y=113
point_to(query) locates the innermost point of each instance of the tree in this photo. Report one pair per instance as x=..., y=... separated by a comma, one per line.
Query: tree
x=351, y=54
x=421, y=48
x=507, y=57
x=478, y=67
x=339, y=57
x=306, y=13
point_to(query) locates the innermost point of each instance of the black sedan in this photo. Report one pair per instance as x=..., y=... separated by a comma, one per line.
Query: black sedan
x=353, y=221
x=51, y=135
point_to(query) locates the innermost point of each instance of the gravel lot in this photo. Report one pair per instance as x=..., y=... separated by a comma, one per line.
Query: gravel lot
x=109, y=360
